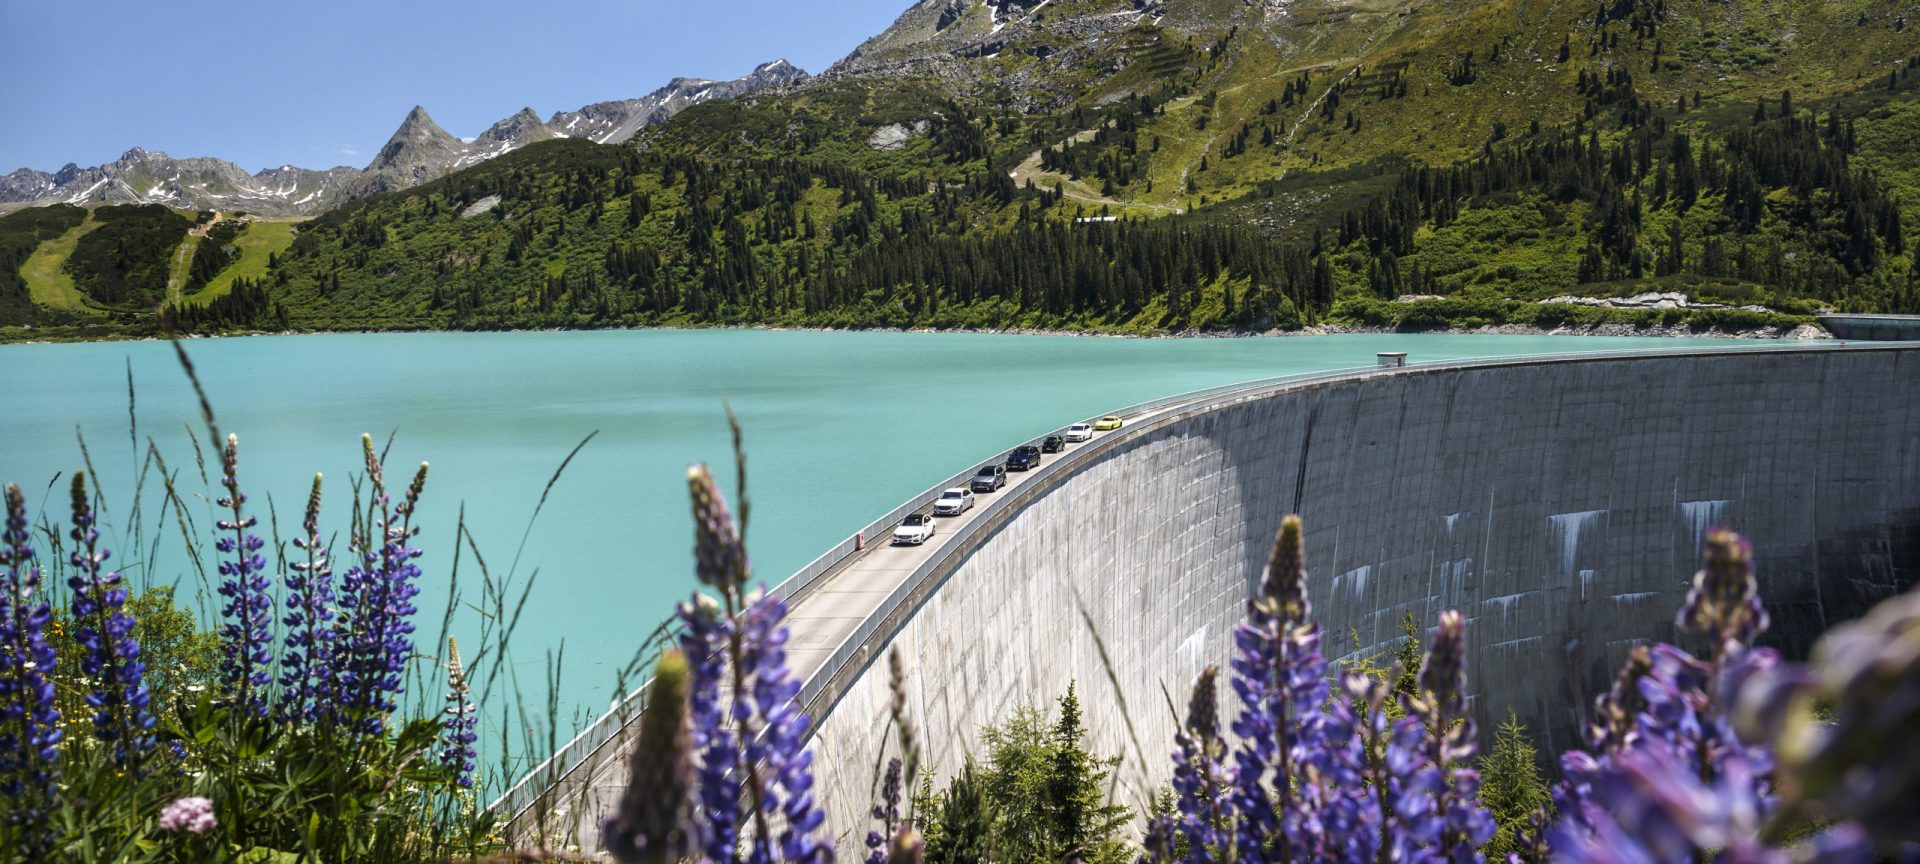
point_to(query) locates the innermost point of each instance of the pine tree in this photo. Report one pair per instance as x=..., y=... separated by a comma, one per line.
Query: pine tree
x=961, y=829
x=1511, y=785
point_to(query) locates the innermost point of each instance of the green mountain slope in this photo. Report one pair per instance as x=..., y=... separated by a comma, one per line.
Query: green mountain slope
x=1266, y=164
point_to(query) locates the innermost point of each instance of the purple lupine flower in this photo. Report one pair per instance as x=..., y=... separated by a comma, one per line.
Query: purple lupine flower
x=1668, y=778
x=1379, y=796
x=1861, y=764
x=1287, y=727
x=1202, y=779
x=887, y=812
x=458, y=754
x=653, y=822
x=754, y=746
x=703, y=639
x=1437, y=726
x=374, y=641
x=788, y=786
x=192, y=815
x=307, y=676
x=1725, y=599
x=248, y=608
x=719, y=558
x=907, y=847
x=29, y=722
x=110, y=658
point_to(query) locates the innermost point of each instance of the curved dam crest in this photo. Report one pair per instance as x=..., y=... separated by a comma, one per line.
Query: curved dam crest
x=1560, y=504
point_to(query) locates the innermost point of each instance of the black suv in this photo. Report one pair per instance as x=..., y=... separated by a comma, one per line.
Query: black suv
x=1053, y=444
x=1024, y=458
x=990, y=477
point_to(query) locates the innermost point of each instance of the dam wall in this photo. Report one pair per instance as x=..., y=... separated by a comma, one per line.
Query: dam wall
x=1560, y=504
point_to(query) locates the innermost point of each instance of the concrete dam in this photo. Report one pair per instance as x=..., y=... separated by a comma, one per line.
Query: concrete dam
x=1560, y=503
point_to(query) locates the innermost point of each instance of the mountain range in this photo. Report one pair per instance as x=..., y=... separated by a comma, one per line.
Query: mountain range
x=1137, y=166
x=420, y=150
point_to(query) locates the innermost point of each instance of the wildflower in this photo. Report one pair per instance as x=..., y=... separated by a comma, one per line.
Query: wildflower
x=1202, y=778
x=703, y=641
x=307, y=663
x=29, y=722
x=762, y=754
x=719, y=559
x=1669, y=779
x=192, y=815
x=110, y=658
x=1287, y=726
x=789, y=785
x=907, y=847
x=652, y=824
x=1861, y=764
x=1428, y=744
x=458, y=754
x=248, y=607
x=374, y=640
x=887, y=812
x=1725, y=601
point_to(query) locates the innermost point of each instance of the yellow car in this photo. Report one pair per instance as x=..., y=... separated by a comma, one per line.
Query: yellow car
x=1106, y=424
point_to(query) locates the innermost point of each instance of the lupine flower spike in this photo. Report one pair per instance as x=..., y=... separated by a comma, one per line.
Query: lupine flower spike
x=887, y=813
x=1862, y=764
x=761, y=755
x=1296, y=759
x=248, y=607
x=1202, y=778
x=1725, y=600
x=653, y=823
x=1431, y=746
x=457, y=754
x=375, y=630
x=110, y=658
x=1667, y=779
x=29, y=722
x=306, y=678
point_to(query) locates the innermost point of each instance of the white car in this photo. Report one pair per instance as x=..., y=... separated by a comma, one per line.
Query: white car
x=914, y=530
x=953, y=502
x=1080, y=432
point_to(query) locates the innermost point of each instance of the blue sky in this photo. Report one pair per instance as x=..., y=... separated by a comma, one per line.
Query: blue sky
x=266, y=83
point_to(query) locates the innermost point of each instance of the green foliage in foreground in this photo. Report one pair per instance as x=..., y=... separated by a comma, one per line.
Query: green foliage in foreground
x=1042, y=797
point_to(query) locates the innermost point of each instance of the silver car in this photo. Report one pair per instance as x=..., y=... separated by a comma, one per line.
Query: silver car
x=953, y=502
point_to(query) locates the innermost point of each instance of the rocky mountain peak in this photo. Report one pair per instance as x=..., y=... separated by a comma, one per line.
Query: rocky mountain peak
x=419, y=150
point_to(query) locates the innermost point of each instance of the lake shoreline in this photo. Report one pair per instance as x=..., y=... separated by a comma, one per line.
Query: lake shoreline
x=1801, y=332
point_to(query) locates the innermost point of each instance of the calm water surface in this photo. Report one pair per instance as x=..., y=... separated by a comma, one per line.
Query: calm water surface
x=840, y=427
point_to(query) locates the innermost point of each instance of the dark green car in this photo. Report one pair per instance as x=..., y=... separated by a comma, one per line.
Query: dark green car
x=1053, y=444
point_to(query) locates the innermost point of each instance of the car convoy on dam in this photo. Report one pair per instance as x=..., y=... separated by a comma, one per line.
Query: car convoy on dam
x=917, y=528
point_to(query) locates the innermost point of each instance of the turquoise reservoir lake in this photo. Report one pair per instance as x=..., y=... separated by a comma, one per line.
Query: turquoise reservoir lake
x=839, y=428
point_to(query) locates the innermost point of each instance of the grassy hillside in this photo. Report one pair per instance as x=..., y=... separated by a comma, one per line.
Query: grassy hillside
x=1270, y=165
x=255, y=248
x=21, y=235
x=46, y=276
x=125, y=262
